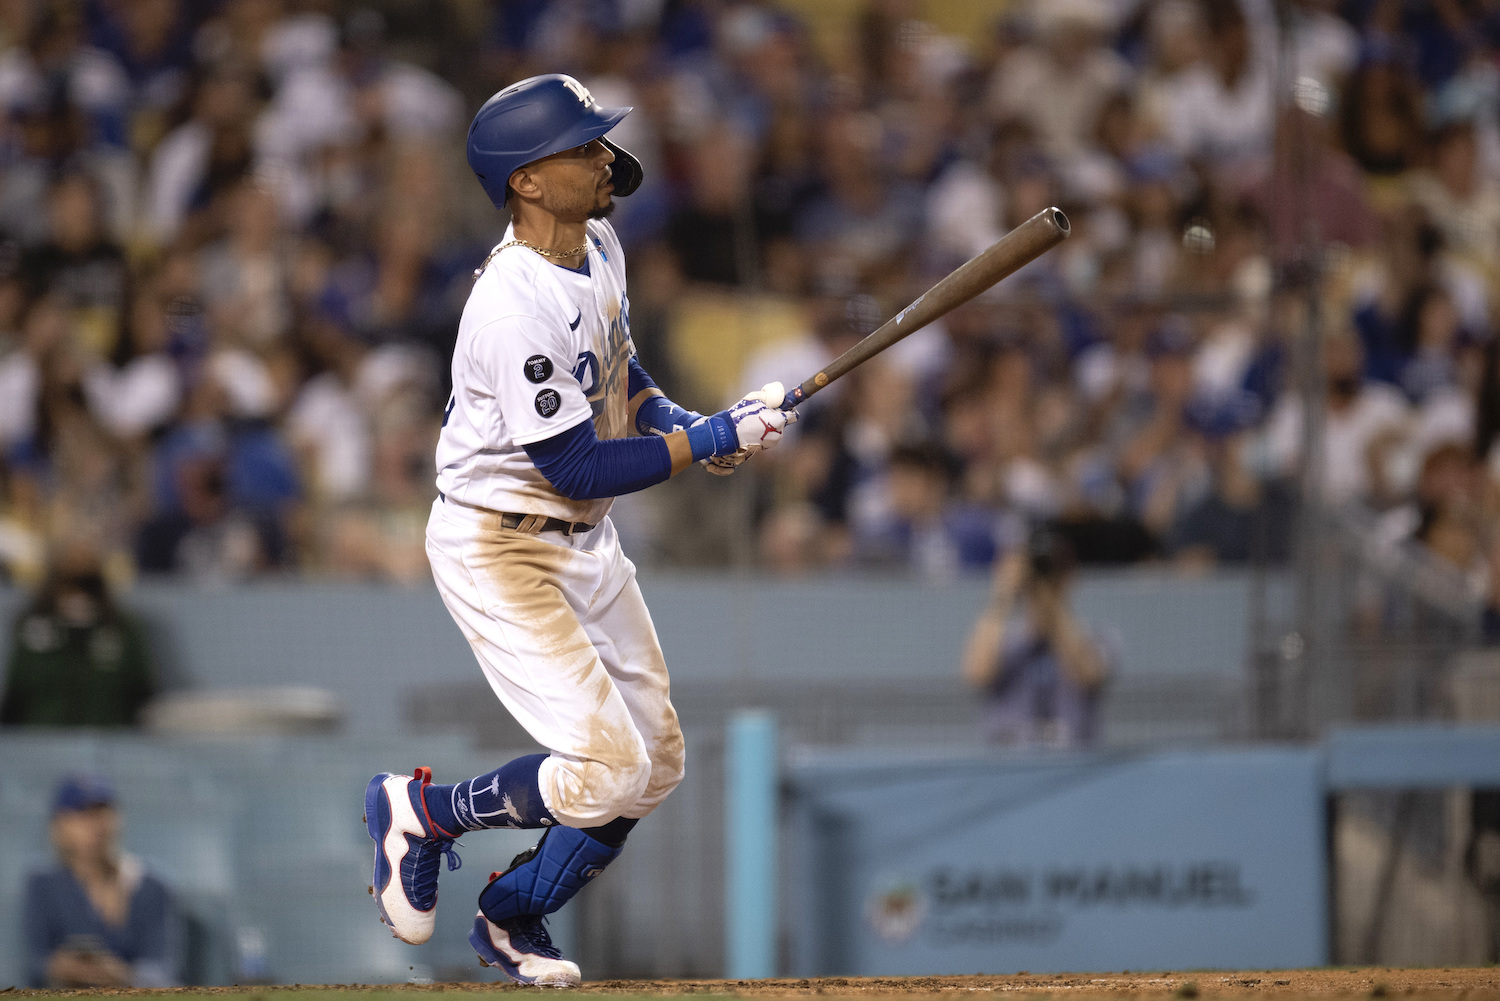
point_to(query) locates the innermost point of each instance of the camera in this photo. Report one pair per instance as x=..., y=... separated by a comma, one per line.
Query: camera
x=1049, y=554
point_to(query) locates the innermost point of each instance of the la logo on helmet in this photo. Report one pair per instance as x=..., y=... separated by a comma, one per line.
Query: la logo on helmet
x=580, y=91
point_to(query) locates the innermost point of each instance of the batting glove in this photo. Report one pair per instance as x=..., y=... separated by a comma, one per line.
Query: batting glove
x=771, y=394
x=758, y=427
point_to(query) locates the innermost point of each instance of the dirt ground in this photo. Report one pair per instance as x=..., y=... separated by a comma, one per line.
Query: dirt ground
x=1468, y=984
x=1456, y=983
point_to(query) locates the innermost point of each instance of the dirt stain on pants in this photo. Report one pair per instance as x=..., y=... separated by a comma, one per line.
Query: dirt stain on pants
x=567, y=643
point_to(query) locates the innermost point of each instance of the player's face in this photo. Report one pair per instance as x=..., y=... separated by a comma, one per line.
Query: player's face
x=575, y=183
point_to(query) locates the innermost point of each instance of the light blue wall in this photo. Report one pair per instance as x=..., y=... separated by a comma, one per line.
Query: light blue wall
x=264, y=835
x=372, y=645
x=273, y=839
x=887, y=628
x=255, y=837
x=1414, y=755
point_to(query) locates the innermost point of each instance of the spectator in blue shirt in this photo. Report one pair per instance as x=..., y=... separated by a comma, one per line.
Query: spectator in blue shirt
x=98, y=919
x=925, y=526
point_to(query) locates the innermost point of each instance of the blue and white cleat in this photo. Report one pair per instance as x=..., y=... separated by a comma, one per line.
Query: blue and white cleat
x=522, y=948
x=408, y=851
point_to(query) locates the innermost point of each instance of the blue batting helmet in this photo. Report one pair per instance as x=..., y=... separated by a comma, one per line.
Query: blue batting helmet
x=537, y=117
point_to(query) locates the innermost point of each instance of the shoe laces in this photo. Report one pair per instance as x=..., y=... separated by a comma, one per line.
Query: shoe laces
x=423, y=865
x=529, y=934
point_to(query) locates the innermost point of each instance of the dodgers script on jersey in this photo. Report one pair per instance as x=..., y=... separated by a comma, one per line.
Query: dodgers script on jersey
x=540, y=348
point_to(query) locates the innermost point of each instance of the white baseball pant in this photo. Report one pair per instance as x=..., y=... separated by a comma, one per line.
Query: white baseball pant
x=564, y=638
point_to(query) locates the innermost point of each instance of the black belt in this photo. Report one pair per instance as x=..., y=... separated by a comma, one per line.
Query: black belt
x=531, y=523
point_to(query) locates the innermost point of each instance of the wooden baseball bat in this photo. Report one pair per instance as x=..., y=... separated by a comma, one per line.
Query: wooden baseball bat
x=1005, y=256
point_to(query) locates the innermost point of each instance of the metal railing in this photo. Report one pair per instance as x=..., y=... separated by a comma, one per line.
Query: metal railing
x=1367, y=629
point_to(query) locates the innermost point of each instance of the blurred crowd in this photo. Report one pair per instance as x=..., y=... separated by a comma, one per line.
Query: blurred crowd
x=1271, y=204
x=236, y=236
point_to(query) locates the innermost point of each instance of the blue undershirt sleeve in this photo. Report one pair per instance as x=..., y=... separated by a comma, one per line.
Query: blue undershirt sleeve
x=582, y=467
x=638, y=379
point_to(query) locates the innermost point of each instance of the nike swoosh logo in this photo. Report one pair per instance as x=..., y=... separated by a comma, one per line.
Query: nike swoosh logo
x=575, y=323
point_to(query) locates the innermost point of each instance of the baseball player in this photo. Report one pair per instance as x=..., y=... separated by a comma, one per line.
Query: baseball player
x=535, y=444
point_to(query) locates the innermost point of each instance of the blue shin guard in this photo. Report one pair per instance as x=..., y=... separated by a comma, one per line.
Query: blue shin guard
x=543, y=878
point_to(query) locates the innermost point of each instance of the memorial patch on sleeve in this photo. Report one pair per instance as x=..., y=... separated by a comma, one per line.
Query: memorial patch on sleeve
x=538, y=368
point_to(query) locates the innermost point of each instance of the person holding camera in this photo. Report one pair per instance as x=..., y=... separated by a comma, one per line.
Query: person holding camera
x=1038, y=667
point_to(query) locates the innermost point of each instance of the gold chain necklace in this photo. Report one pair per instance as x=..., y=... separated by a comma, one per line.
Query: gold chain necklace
x=552, y=254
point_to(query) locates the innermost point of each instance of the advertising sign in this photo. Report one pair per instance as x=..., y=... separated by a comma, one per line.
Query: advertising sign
x=1169, y=861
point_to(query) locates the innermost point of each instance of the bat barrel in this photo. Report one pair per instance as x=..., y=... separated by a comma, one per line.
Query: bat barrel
x=1004, y=257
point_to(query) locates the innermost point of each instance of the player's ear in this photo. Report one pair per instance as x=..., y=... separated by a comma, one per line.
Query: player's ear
x=522, y=183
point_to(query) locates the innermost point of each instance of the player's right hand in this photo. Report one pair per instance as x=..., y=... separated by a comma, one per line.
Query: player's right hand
x=722, y=465
x=725, y=465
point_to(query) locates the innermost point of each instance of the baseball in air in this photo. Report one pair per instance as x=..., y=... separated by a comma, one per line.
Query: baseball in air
x=1198, y=238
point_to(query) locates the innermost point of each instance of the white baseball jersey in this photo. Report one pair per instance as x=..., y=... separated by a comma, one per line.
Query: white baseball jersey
x=540, y=349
